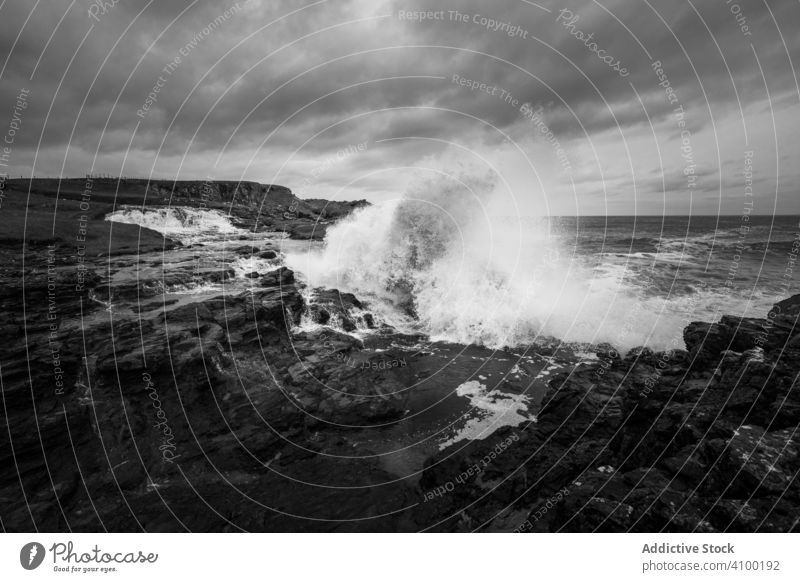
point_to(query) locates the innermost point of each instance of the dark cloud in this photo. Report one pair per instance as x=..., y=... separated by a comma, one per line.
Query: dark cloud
x=286, y=83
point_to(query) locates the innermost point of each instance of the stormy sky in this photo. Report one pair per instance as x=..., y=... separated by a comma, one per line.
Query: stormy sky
x=587, y=107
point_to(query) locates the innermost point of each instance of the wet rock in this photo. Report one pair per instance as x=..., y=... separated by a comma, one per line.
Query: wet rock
x=343, y=301
x=642, y=355
x=331, y=307
x=757, y=463
x=781, y=325
x=695, y=440
x=319, y=314
x=344, y=391
x=278, y=277
x=706, y=341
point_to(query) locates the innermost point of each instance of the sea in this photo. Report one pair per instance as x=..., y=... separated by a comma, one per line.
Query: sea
x=462, y=276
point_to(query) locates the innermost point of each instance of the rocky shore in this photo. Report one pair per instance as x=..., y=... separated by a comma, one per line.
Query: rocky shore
x=128, y=408
x=63, y=203
x=702, y=439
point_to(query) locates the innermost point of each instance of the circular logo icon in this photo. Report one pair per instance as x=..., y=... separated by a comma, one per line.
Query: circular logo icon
x=31, y=555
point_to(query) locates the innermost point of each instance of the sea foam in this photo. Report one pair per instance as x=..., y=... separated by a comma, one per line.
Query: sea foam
x=185, y=224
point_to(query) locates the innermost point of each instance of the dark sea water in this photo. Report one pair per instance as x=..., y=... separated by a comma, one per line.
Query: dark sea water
x=676, y=269
x=746, y=257
x=625, y=280
x=509, y=281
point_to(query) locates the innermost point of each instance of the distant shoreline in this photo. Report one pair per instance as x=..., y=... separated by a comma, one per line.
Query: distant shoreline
x=13, y=183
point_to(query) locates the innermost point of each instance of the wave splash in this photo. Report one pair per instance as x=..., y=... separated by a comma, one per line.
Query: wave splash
x=452, y=255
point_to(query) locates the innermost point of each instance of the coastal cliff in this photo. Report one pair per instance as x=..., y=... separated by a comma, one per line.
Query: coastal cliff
x=256, y=207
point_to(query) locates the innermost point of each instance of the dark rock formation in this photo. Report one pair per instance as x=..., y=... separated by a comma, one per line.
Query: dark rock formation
x=252, y=206
x=280, y=276
x=706, y=442
x=129, y=408
x=332, y=305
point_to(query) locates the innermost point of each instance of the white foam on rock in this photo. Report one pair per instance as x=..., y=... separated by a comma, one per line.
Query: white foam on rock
x=185, y=224
x=492, y=409
x=244, y=266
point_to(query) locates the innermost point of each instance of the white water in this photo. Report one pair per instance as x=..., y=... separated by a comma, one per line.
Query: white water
x=243, y=266
x=448, y=250
x=447, y=260
x=491, y=410
x=185, y=224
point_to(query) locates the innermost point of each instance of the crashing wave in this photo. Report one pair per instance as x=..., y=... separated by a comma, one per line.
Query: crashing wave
x=448, y=254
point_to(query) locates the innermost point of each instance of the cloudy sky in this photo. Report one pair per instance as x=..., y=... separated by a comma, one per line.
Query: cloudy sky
x=354, y=99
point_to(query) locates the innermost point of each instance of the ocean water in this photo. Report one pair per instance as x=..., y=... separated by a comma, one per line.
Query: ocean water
x=745, y=256
x=464, y=273
x=678, y=269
